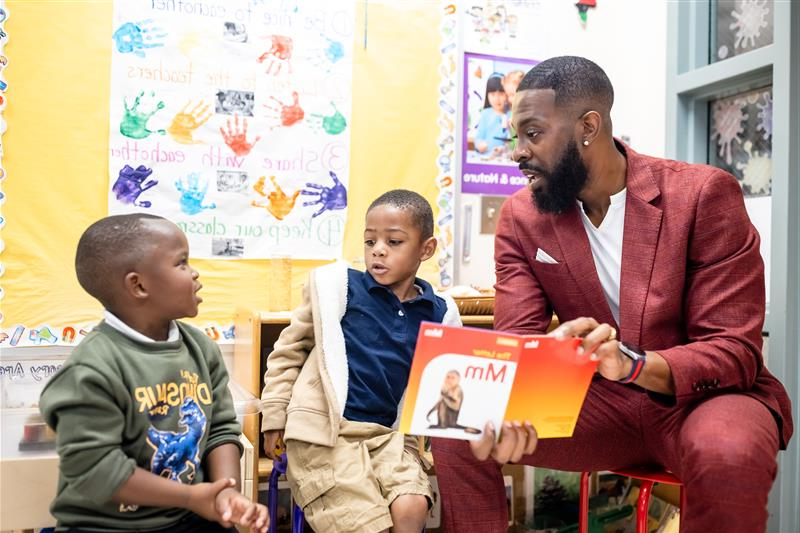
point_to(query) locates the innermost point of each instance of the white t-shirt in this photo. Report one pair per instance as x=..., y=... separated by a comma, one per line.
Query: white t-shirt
x=606, y=244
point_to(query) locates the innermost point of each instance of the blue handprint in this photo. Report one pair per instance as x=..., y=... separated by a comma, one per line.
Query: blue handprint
x=193, y=192
x=131, y=183
x=135, y=37
x=329, y=198
x=327, y=54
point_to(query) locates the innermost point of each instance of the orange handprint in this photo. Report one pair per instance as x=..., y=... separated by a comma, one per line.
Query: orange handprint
x=278, y=54
x=288, y=115
x=278, y=203
x=184, y=123
x=237, y=139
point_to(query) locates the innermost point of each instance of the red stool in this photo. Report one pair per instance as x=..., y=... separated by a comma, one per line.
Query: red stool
x=649, y=476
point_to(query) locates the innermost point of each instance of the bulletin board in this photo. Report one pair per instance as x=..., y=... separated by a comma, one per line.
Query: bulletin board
x=56, y=157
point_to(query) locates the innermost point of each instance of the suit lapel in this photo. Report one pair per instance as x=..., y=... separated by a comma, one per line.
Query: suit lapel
x=639, y=243
x=578, y=257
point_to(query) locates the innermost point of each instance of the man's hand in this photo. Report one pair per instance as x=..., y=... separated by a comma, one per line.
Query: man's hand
x=600, y=343
x=516, y=440
x=237, y=509
x=273, y=439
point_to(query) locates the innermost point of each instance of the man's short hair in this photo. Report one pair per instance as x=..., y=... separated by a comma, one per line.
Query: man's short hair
x=108, y=250
x=574, y=80
x=421, y=212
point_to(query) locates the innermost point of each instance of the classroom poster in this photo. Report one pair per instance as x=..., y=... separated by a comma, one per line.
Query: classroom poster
x=232, y=119
x=490, y=83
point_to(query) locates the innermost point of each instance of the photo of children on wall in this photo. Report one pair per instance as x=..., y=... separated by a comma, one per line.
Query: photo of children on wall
x=490, y=84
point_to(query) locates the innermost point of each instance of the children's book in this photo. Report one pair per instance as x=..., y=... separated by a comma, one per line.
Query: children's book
x=461, y=378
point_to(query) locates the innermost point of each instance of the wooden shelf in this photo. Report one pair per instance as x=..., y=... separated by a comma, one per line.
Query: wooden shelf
x=478, y=320
x=264, y=467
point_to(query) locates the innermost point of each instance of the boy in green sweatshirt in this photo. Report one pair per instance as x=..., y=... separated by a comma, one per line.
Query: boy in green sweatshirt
x=146, y=431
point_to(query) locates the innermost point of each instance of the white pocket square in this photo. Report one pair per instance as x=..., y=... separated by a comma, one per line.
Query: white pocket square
x=544, y=257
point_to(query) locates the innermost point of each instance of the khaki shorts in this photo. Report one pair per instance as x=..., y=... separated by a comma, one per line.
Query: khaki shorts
x=349, y=487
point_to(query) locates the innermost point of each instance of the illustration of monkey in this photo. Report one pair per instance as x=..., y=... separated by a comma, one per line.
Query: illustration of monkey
x=449, y=405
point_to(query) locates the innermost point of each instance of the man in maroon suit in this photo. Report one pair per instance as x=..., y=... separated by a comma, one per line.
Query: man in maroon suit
x=655, y=264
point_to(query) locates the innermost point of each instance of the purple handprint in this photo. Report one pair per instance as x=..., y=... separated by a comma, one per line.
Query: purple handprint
x=131, y=183
x=329, y=198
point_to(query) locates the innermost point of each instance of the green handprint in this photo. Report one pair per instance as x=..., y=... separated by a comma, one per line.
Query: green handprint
x=332, y=124
x=134, y=123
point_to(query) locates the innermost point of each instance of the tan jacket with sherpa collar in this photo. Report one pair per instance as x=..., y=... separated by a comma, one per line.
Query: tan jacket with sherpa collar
x=305, y=386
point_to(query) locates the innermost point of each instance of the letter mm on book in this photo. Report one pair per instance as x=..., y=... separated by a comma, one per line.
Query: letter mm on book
x=461, y=378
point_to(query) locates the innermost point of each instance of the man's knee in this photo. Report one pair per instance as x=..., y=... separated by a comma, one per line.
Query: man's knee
x=729, y=452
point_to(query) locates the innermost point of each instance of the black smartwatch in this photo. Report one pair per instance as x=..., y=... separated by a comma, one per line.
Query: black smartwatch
x=635, y=354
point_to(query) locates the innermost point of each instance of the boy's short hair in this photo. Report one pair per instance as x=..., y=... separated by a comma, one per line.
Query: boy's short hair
x=109, y=248
x=421, y=212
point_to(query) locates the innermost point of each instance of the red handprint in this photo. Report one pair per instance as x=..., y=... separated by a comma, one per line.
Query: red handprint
x=237, y=139
x=279, y=54
x=289, y=115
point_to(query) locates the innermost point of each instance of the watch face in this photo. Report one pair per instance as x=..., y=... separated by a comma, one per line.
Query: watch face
x=634, y=352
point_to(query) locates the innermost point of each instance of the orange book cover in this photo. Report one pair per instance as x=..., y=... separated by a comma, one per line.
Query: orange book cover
x=461, y=378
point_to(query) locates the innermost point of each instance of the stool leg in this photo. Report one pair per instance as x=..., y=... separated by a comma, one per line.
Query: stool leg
x=272, y=501
x=583, y=504
x=297, y=519
x=642, y=505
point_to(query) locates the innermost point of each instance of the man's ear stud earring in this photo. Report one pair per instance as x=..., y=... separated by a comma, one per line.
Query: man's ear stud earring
x=585, y=142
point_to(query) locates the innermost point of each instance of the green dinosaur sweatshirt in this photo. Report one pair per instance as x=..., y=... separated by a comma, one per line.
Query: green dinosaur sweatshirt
x=118, y=403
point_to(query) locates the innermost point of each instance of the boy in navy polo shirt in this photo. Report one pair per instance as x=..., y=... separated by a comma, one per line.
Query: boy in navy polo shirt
x=338, y=373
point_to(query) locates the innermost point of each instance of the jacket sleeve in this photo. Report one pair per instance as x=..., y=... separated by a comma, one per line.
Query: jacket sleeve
x=724, y=297
x=224, y=427
x=284, y=363
x=520, y=304
x=80, y=406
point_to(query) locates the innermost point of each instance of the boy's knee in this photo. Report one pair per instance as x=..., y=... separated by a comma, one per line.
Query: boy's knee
x=409, y=506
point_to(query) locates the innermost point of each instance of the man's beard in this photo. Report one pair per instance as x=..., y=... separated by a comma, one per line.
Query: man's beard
x=560, y=189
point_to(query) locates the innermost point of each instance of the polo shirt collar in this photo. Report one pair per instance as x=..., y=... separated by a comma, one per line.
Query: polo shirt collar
x=425, y=289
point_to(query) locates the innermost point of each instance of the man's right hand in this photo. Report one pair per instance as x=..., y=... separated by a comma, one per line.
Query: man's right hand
x=516, y=440
x=272, y=439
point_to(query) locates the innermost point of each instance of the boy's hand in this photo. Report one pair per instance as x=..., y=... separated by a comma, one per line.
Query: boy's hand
x=236, y=509
x=273, y=443
x=516, y=440
x=203, y=497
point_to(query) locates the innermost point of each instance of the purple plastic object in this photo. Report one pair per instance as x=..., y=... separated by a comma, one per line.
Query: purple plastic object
x=278, y=469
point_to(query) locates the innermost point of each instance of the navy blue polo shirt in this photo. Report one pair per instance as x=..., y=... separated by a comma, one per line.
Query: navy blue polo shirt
x=380, y=334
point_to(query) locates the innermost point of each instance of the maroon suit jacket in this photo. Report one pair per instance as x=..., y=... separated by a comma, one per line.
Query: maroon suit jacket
x=692, y=279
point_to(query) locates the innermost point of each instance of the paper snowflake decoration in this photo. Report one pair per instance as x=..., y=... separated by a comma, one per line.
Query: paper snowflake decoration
x=756, y=171
x=765, y=116
x=749, y=22
x=728, y=116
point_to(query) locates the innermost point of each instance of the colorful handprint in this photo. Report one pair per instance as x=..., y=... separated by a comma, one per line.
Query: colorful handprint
x=280, y=114
x=236, y=139
x=279, y=54
x=328, y=198
x=186, y=122
x=131, y=184
x=333, y=124
x=278, y=203
x=327, y=54
x=134, y=122
x=193, y=191
x=136, y=37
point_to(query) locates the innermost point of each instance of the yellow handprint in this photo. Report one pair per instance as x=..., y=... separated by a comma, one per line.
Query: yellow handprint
x=278, y=203
x=184, y=123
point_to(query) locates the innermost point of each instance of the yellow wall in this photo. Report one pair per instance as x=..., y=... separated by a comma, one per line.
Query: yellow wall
x=55, y=150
